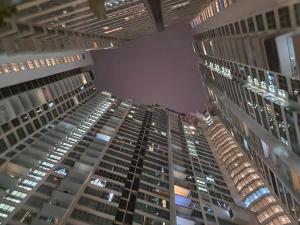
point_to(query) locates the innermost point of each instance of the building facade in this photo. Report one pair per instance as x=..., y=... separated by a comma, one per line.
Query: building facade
x=53, y=25
x=253, y=189
x=249, y=64
x=73, y=155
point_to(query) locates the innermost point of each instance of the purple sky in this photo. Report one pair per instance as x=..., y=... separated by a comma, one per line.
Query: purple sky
x=160, y=68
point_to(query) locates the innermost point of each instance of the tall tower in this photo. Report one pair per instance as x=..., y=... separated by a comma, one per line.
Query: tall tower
x=249, y=64
x=74, y=155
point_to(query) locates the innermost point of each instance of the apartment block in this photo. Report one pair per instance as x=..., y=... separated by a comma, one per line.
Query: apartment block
x=249, y=64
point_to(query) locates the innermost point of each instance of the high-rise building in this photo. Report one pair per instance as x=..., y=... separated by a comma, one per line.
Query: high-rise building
x=55, y=25
x=73, y=155
x=249, y=64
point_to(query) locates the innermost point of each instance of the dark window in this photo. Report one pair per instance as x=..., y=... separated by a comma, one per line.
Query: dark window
x=5, y=127
x=21, y=133
x=37, y=135
x=15, y=122
x=37, y=124
x=98, y=206
x=49, y=116
x=35, y=202
x=64, y=106
x=45, y=190
x=231, y=29
x=68, y=162
x=29, y=140
x=24, y=216
x=297, y=13
x=29, y=128
x=12, y=139
x=45, y=107
x=227, y=30
x=284, y=17
x=10, y=154
x=43, y=119
x=6, y=92
x=260, y=23
x=244, y=27
x=54, y=112
x=251, y=26
x=272, y=54
x=3, y=146
x=271, y=22
x=261, y=75
x=237, y=28
x=89, y=218
x=282, y=83
x=60, y=111
x=20, y=147
x=274, y=183
x=32, y=114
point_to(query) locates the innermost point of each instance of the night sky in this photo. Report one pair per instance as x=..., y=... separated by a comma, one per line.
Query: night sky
x=160, y=68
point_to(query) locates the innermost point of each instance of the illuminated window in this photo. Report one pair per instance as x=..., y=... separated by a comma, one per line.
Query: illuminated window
x=42, y=62
x=182, y=201
x=98, y=182
x=246, y=181
x=23, y=66
x=210, y=179
x=30, y=64
x=181, y=191
x=83, y=78
x=259, y=193
x=54, y=158
x=27, y=184
x=271, y=81
x=36, y=63
x=282, y=93
x=47, y=165
x=62, y=171
x=262, y=203
x=16, y=196
x=57, y=61
x=103, y=137
x=39, y=173
x=239, y=168
x=5, y=209
x=179, y=5
x=163, y=133
x=280, y=221
x=269, y=213
x=7, y=68
x=249, y=189
x=53, y=61
x=110, y=197
x=15, y=67
x=48, y=62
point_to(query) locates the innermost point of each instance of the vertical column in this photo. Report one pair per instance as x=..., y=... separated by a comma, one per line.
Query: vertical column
x=171, y=173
